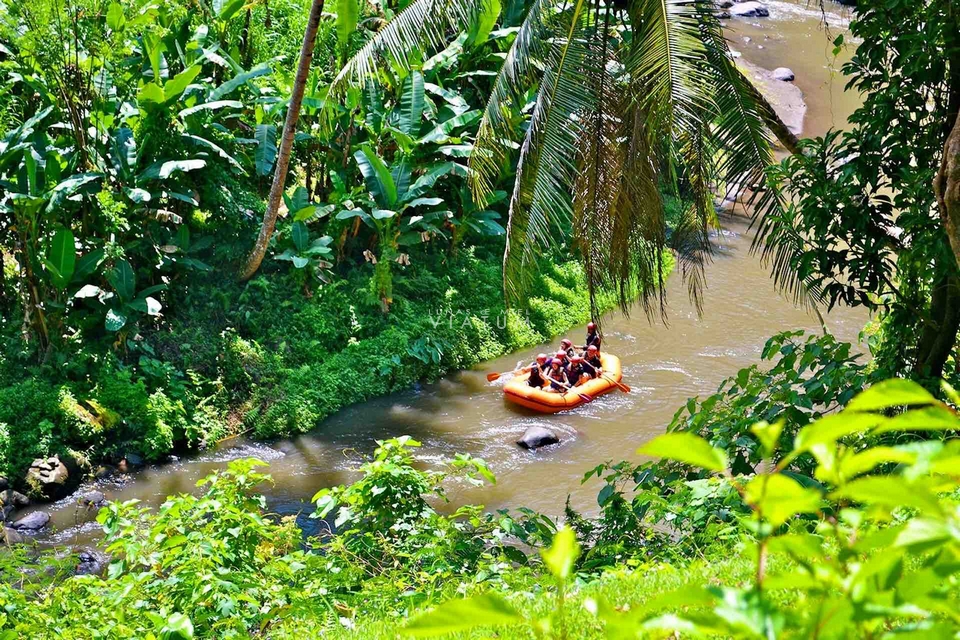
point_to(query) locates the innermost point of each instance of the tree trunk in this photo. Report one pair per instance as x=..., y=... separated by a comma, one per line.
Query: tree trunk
x=772, y=120
x=947, y=187
x=937, y=342
x=286, y=144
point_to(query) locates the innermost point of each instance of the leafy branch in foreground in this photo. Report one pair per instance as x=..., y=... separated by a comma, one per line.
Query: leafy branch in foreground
x=872, y=539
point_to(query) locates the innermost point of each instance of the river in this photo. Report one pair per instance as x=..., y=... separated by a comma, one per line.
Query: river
x=663, y=363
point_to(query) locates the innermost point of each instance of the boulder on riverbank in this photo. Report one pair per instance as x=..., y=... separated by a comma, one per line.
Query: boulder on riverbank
x=92, y=499
x=32, y=521
x=785, y=97
x=52, y=478
x=9, y=536
x=749, y=10
x=536, y=437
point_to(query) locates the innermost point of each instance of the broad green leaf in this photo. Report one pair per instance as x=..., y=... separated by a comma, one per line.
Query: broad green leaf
x=485, y=21
x=229, y=9
x=348, y=12
x=147, y=305
x=424, y=202
x=829, y=429
x=768, y=435
x=123, y=280
x=426, y=181
x=300, y=235
x=151, y=92
x=266, y=152
x=442, y=131
x=453, y=99
x=161, y=170
x=562, y=554
x=176, y=85
x=178, y=627
x=377, y=177
x=869, y=459
x=211, y=106
x=203, y=142
x=236, y=81
x=115, y=17
x=88, y=291
x=926, y=419
x=63, y=256
x=778, y=498
x=924, y=533
x=411, y=103
x=890, y=492
x=687, y=448
x=453, y=616
x=895, y=392
x=74, y=182
x=115, y=320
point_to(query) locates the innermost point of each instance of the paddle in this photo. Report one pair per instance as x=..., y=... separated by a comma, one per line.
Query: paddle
x=606, y=377
x=620, y=385
x=496, y=376
x=568, y=387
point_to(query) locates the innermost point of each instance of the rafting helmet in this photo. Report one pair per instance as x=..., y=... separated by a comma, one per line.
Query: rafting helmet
x=562, y=355
x=541, y=358
x=565, y=343
x=592, y=349
x=591, y=327
x=576, y=359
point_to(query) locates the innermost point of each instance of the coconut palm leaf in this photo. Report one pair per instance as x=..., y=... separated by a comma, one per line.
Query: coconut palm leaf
x=540, y=207
x=422, y=26
x=521, y=69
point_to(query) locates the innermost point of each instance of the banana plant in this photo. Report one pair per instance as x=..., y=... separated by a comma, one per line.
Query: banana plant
x=394, y=195
x=124, y=301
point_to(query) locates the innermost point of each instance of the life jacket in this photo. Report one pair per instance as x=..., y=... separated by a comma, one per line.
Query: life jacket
x=559, y=375
x=536, y=376
x=575, y=372
x=592, y=339
x=595, y=364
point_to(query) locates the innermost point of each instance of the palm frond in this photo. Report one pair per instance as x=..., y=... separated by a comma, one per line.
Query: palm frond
x=423, y=26
x=540, y=207
x=521, y=69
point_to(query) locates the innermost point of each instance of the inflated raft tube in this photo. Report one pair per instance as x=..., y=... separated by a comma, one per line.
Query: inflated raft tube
x=519, y=392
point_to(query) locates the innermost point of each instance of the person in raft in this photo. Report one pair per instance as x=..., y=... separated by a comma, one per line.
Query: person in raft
x=593, y=337
x=557, y=376
x=567, y=345
x=592, y=362
x=536, y=379
x=577, y=374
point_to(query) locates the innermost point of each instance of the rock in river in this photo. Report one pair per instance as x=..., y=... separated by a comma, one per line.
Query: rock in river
x=32, y=521
x=50, y=479
x=784, y=74
x=536, y=437
x=92, y=499
x=91, y=561
x=749, y=10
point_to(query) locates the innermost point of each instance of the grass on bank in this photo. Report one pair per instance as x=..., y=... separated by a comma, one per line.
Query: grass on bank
x=271, y=358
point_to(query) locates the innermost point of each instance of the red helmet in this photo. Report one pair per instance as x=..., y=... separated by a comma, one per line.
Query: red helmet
x=565, y=343
x=576, y=359
x=541, y=358
x=555, y=362
x=592, y=349
x=562, y=355
x=591, y=326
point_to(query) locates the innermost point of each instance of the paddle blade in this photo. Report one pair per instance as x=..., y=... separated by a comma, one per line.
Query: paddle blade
x=493, y=376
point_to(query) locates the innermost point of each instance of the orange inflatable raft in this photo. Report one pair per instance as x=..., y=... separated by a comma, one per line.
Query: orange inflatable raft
x=519, y=392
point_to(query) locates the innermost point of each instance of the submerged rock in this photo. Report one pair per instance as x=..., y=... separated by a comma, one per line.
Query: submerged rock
x=32, y=521
x=749, y=10
x=130, y=462
x=783, y=74
x=91, y=561
x=536, y=437
x=92, y=499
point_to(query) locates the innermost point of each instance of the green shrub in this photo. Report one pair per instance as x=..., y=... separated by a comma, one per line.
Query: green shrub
x=33, y=424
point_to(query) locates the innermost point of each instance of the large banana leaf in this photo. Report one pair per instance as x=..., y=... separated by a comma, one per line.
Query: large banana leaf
x=377, y=177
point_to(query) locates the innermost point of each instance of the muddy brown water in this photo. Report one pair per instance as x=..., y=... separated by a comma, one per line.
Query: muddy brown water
x=664, y=364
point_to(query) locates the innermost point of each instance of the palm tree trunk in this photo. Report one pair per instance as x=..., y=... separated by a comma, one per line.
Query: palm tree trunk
x=286, y=144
